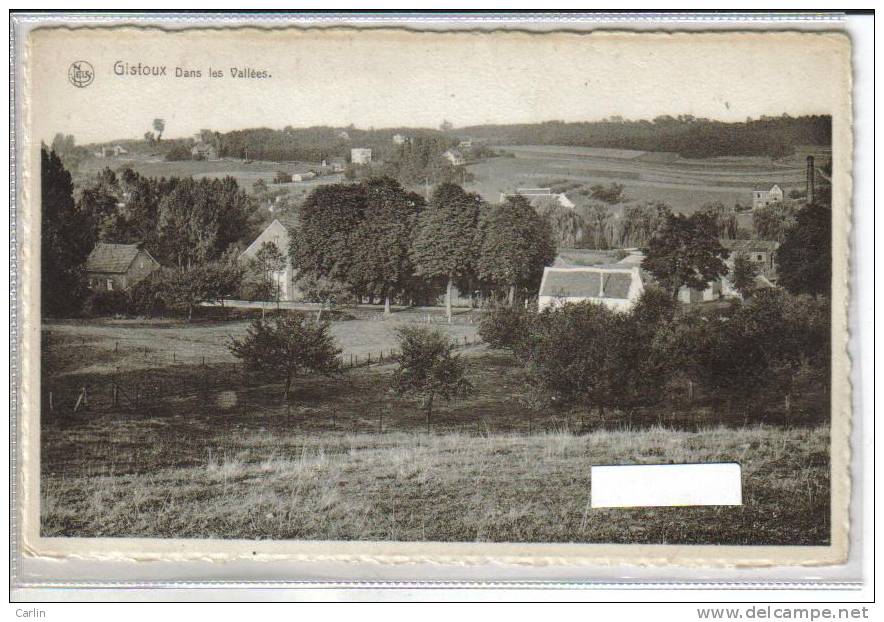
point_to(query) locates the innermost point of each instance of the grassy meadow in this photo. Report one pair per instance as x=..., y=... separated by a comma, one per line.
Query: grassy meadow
x=205, y=451
x=684, y=184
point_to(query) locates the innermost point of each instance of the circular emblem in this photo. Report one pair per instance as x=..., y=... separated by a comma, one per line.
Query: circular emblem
x=81, y=74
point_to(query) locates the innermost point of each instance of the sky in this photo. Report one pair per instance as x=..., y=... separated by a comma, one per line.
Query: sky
x=388, y=78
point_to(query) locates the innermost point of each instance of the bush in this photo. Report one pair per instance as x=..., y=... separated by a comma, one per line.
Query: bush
x=178, y=153
x=103, y=304
x=506, y=327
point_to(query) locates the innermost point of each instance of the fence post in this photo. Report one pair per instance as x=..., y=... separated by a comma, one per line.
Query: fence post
x=116, y=346
x=50, y=401
x=173, y=356
x=369, y=358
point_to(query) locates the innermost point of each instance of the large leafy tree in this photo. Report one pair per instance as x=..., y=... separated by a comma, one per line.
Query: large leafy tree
x=67, y=235
x=516, y=245
x=685, y=251
x=327, y=242
x=804, y=259
x=429, y=368
x=445, y=244
x=287, y=347
x=384, y=237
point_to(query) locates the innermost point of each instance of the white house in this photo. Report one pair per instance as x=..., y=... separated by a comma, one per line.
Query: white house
x=399, y=139
x=454, y=156
x=284, y=280
x=360, y=155
x=615, y=286
x=763, y=198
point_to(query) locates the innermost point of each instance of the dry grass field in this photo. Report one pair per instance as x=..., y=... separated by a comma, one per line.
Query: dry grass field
x=348, y=459
x=684, y=184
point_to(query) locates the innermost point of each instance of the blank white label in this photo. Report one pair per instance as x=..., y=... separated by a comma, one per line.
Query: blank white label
x=650, y=485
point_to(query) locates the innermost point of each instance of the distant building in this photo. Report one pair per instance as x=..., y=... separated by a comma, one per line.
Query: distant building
x=117, y=267
x=303, y=176
x=119, y=150
x=399, y=139
x=537, y=196
x=466, y=144
x=277, y=234
x=360, y=155
x=455, y=157
x=204, y=151
x=615, y=286
x=763, y=198
x=343, y=135
x=762, y=253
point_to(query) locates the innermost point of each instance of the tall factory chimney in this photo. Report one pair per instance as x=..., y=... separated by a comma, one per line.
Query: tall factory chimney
x=809, y=181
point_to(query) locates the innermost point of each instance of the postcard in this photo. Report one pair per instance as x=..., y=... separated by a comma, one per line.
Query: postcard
x=397, y=295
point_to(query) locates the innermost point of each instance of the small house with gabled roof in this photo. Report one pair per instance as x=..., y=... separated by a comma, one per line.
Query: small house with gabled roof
x=117, y=267
x=278, y=235
x=616, y=286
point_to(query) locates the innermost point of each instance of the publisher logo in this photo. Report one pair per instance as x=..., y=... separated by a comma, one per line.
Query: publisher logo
x=81, y=74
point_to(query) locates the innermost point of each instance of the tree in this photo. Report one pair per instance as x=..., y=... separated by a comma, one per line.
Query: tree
x=68, y=234
x=384, y=238
x=446, y=125
x=508, y=328
x=288, y=347
x=326, y=243
x=429, y=368
x=445, y=244
x=185, y=287
x=804, y=259
x=744, y=274
x=516, y=245
x=575, y=355
x=150, y=137
x=685, y=251
x=599, y=217
x=159, y=125
x=612, y=194
x=268, y=261
x=771, y=222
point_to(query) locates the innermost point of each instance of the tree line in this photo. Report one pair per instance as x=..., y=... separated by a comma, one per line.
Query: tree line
x=686, y=135
x=377, y=240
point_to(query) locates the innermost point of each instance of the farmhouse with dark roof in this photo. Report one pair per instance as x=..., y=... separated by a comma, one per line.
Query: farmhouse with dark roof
x=117, y=267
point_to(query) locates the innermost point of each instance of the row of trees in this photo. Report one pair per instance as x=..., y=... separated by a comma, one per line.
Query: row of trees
x=686, y=135
x=377, y=239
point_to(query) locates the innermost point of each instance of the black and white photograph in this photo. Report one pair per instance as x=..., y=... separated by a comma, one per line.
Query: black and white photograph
x=317, y=286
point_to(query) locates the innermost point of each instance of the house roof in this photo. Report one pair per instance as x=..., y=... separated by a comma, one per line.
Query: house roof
x=585, y=282
x=116, y=258
x=276, y=233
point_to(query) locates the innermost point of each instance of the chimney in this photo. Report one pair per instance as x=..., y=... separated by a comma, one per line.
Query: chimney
x=809, y=181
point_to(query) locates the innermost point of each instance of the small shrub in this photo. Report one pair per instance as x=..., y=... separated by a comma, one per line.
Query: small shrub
x=506, y=327
x=103, y=304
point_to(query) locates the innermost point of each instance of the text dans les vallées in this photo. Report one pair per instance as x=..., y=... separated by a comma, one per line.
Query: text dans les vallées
x=124, y=69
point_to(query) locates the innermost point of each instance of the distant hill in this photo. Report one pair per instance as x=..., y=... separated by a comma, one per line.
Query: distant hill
x=687, y=136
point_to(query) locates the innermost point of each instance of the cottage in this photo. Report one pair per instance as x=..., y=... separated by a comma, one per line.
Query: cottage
x=298, y=177
x=762, y=253
x=360, y=155
x=117, y=267
x=615, y=286
x=763, y=198
x=277, y=234
x=399, y=139
x=204, y=151
x=119, y=150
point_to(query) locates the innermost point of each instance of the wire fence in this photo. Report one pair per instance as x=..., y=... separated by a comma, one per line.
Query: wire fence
x=170, y=377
